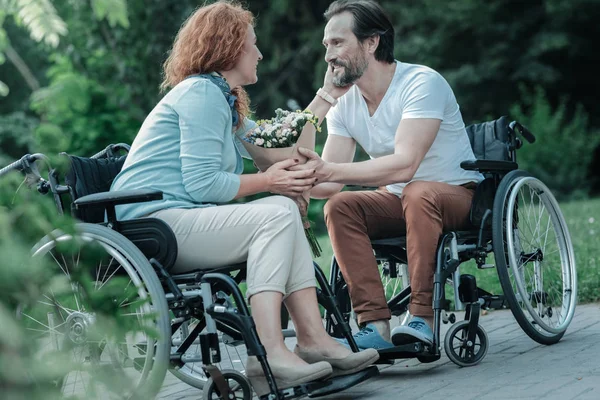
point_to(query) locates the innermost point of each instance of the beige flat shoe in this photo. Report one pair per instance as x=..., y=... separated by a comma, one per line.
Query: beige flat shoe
x=341, y=366
x=285, y=376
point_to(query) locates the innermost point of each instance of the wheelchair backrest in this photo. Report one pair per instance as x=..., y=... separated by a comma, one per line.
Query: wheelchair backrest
x=89, y=176
x=490, y=140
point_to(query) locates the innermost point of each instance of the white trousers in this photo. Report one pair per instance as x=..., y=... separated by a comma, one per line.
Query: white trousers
x=267, y=233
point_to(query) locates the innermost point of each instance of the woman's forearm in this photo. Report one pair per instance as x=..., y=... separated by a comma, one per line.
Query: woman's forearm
x=252, y=184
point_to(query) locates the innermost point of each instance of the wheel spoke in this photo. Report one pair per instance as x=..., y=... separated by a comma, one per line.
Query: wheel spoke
x=536, y=271
x=76, y=321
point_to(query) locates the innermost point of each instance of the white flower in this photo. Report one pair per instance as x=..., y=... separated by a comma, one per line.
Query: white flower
x=280, y=131
x=591, y=220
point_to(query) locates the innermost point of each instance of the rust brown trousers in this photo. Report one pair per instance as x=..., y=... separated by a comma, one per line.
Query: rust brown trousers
x=422, y=213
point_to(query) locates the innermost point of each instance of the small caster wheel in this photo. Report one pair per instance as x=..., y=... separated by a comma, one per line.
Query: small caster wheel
x=237, y=382
x=448, y=317
x=459, y=350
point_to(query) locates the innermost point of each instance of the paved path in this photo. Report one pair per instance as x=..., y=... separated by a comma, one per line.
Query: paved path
x=515, y=367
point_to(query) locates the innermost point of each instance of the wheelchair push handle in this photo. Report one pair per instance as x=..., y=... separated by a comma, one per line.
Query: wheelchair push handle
x=517, y=127
x=112, y=150
x=26, y=165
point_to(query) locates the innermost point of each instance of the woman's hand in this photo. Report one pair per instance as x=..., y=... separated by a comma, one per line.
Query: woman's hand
x=313, y=163
x=289, y=183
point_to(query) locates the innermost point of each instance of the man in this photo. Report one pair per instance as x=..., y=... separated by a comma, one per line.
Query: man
x=407, y=119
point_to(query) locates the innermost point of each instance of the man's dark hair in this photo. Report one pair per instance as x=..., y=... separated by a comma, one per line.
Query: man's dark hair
x=369, y=20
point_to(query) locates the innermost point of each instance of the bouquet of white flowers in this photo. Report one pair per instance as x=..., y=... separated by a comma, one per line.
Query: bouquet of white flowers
x=278, y=139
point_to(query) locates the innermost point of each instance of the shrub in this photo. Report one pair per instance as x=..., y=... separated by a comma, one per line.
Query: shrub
x=564, y=146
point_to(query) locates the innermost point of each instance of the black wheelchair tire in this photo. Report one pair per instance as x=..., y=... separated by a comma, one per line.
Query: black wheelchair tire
x=210, y=389
x=502, y=264
x=458, y=359
x=151, y=384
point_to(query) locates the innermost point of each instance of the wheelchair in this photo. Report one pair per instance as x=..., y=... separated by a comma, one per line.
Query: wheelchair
x=514, y=216
x=196, y=325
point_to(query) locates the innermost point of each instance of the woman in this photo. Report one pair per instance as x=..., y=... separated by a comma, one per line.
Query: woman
x=188, y=149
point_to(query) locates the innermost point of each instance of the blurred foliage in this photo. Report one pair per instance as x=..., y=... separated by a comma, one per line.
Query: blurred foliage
x=22, y=280
x=101, y=79
x=31, y=368
x=16, y=135
x=77, y=75
x=564, y=146
x=28, y=368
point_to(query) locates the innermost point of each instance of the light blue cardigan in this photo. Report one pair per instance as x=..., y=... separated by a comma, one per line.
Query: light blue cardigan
x=186, y=149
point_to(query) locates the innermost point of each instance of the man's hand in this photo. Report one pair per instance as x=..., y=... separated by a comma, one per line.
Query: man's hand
x=330, y=87
x=313, y=163
x=282, y=180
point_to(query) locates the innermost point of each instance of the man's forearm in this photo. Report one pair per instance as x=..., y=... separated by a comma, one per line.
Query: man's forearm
x=325, y=190
x=377, y=172
x=319, y=108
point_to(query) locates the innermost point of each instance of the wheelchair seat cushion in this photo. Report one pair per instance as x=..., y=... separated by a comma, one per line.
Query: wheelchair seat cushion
x=489, y=140
x=90, y=176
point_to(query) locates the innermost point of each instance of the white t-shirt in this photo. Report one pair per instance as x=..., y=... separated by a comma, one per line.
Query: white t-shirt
x=416, y=91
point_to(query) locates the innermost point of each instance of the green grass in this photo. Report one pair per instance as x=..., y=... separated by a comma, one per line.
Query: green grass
x=583, y=221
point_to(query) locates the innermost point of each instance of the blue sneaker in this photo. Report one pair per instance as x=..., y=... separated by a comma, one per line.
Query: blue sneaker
x=368, y=338
x=417, y=330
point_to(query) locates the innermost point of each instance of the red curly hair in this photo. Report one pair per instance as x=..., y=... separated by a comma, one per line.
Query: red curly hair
x=210, y=40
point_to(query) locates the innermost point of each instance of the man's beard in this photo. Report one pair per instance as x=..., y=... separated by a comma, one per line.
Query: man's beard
x=353, y=70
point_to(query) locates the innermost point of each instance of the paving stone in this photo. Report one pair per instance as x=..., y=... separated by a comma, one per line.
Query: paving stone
x=515, y=367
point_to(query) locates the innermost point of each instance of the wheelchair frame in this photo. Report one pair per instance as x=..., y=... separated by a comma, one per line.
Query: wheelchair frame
x=157, y=243
x=455, y=248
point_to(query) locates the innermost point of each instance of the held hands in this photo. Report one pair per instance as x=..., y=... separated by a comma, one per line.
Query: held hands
x=313, y=163
x=282, y=179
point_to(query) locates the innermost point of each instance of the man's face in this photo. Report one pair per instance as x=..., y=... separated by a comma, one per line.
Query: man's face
x=344, y=52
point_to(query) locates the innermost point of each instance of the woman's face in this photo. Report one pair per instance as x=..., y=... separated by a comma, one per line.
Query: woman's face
x=248, y=62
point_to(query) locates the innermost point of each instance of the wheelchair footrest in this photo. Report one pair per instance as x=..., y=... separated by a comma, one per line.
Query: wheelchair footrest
x=339, y=383
x=410, y=350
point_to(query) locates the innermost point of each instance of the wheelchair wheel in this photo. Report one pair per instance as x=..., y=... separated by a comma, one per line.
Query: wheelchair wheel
x=237, y=382
x=459, y=350
x=534, y=257
x=102, y=275
x=233, y=356
x=391, y=287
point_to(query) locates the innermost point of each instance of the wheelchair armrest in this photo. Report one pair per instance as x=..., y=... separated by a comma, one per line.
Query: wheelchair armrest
x=108, y=199
x=489, y=165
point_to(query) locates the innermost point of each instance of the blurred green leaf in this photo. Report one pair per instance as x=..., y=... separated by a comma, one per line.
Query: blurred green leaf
x=42, y=21
x=3, y=89
x=564, y=148
x=115, y=11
